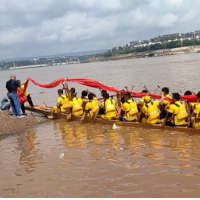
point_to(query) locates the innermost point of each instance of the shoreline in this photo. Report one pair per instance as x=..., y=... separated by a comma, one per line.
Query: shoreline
x=11, y=125
x=157, y=53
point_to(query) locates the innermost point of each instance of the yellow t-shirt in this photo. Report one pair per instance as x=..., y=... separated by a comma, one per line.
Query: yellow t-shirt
x=89, y=106
x=126, y=107
x=84, y=100
x=141, y=101
x=102, y=104
x=60, y=100
x=197, y=110
x=145, y=110
x=70, y=96
x=72, y=103
x=166, y=102
x=174, y=110
x=21, y=88
x=111, y=114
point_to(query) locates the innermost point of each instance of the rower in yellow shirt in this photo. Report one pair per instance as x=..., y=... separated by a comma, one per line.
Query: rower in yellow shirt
x=196, y=123
x=102, y=105
x=151, y=111
x=177, y=112
x=75, y=105
x=164, y=103
x=84, y=98
x=130, y=109
x=141, y=102
x=191, y=104
x=62, y=104
x=91, y=107
x=110, y=110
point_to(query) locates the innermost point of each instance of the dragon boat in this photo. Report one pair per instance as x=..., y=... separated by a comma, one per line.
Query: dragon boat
x=46, y=112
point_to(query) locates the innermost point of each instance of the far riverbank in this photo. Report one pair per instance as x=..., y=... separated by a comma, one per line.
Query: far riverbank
x=156, y=53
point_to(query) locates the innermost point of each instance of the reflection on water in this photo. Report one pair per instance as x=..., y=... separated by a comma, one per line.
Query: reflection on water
x=29, y=154
x=99, y=161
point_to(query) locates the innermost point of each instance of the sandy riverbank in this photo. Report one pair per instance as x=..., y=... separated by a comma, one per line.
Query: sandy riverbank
x=11, y=125
x=162, y=52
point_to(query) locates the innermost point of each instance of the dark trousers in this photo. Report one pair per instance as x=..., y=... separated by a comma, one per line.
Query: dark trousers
x=29, y=101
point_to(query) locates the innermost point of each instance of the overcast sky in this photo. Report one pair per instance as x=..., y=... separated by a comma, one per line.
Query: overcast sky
x=45, y=27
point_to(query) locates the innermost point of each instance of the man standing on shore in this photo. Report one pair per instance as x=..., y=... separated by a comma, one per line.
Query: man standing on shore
x=12, y=86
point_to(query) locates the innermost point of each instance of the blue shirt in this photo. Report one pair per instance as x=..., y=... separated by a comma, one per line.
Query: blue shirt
x=4, y=100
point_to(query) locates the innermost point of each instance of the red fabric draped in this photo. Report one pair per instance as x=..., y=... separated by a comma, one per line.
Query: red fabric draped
x=20, y=93
x=95, y=84
x=50, y=85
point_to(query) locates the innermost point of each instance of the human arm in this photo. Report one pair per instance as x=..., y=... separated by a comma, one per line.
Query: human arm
x=118, y=101
x=66, y=86
x=162, y=97
x=24, y=82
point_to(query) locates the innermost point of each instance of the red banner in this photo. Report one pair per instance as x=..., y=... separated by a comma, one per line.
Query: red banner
x=95, y=84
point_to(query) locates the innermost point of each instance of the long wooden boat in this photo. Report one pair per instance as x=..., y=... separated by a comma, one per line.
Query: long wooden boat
x=37, y=109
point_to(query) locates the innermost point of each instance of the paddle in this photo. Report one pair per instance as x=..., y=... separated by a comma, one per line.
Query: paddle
x=149, y=92
x=164, y=123
x=158, y=87
x=188, y=111
x=132, y=88
x=126, y=88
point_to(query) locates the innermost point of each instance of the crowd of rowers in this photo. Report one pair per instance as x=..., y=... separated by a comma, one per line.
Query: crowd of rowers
x=124, y=108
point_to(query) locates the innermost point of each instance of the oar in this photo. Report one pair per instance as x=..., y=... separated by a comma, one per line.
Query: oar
x=158, y=87
x=132, y=88
x=149, y=92
x=126, y=88
x=164, y=123
x=194, y=93
x=188, y=111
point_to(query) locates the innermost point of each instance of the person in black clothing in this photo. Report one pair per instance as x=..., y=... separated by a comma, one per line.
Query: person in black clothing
x=12, y=86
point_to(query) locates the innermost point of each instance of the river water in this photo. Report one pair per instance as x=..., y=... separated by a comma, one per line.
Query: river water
x=59, y=159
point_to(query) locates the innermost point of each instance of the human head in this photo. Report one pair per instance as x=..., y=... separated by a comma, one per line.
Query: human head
x=198, y=96
x=106, y=96
x=90, y=96
x=60, y=92
x=72, y=90
x=127, y=96
x=73, y=95
x=165, y=90
x=188, y=92
x=13, y=77
x=176, y=97
x=103, y=92
x=144, y=91
x=19, y=81
x=84, y=93
x=147, y=99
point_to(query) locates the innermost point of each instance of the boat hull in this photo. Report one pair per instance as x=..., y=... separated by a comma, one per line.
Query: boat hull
x=37, y=109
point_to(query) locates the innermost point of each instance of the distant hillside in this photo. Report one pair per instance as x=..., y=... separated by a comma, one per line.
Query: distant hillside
x=81, y=53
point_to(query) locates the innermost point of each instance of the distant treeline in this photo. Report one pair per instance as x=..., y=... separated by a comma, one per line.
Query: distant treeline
x=167, y=45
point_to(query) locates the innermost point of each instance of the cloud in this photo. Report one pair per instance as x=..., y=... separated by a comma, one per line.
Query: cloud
x=168, y=20
x=55, y=26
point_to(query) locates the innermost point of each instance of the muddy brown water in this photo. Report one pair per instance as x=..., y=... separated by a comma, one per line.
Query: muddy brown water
x=60, y=159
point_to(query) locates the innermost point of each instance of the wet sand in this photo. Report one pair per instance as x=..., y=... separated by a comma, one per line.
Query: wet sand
x=12, y=125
